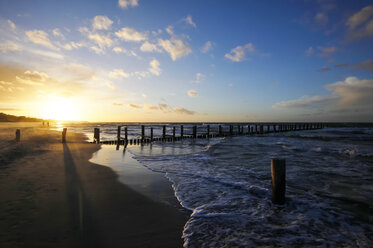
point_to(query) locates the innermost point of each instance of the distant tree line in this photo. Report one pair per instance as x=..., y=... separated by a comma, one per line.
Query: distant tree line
x=13, y=118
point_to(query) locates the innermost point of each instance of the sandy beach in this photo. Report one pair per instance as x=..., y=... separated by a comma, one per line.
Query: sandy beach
x=52, y=196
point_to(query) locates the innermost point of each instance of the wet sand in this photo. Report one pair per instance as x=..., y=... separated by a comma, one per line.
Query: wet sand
x=52, y=196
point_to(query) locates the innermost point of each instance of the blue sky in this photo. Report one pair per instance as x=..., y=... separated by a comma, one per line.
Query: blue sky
x=134, y=60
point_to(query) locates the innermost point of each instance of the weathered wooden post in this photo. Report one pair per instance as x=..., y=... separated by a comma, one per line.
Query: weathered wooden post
x=256, y=128
x=18, y=135
x=194, y=132
x=261, y=129
x=181, y=131
x=142, y=132
x=238, y=129
x=267, y=128
x=64, y=135
x=96, y=136
x=208, y=131
x=230, y=129
x=126, y=135
x=252, y=130
x=118, y=135
x=278, y=172
x=274, y=128
x=164, y=132
x=174, y=133
x=220, y=130
x=151, y=134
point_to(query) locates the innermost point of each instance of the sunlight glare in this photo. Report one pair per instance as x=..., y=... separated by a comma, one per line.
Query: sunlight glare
x=61, y=109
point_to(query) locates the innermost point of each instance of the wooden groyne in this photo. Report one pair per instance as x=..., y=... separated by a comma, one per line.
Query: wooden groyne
x=204, y=132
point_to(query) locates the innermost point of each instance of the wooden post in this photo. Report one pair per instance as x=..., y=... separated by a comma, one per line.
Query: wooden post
x=174, y=133
x=278, y=172
x=238, y=129
x=142, y=132
x=208, y=131
x=252, y=130
x=164, y=132
x=256, y=128
x=267, y=128
x=64, y=135
x=261, y=129
x=18, y=135
x=181, y=131
x=126, y=135
x=96, y=136
x=194, y=132
x=230, y=129
x=118, y=134
x=274, y=128
x=151, y=134
x=220, y=130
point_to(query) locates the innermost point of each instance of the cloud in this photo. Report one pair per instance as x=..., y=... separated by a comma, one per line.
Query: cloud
x=321, y=19
x=117, y=104
x=12, y=25
x=130, y=34
x=309, y=51
x=9, y=46
x=324, y=69
x=124, y=4
x=366, y=65
x=155, y=67
x=238, y=53
x=149, y=47
x=206, y=47
x=41, y=38
x=100, y=39
x=32, y=78
x=170, y=30
x=135, y=106
x=327, y=51
x=192, y=93
x=189, y=21
x=175, y=47
x=351, y=95
x=119, y=50
x=341, y=65
x=199, y=77
x=165, y=108
x=101, y=23
x=118, y=74
x=56, y=32
x=360, y=24
x=110, y=85
x=72, y=45
x=144, y=95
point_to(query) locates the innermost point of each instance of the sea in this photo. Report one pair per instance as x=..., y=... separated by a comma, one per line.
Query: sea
x=225, y=182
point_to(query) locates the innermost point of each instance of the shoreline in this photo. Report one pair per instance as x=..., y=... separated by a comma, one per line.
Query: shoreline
x=53, y=196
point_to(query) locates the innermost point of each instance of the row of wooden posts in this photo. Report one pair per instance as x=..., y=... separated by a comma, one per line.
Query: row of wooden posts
x=278, y=166
x=232, y=130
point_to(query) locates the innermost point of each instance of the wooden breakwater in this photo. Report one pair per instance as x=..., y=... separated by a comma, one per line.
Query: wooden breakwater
x=200, y=132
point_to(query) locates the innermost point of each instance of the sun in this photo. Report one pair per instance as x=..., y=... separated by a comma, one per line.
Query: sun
x=61, y=109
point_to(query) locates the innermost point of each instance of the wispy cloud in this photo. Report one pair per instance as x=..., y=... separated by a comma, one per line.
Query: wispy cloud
x=155, y=67
x=366, y=65
x=40, y=37
x=165, y=108
x=32, y=78
x=101, y=23
x=327, y=51
x=324, y=69
x=238, y=53
x=351, y=94
x=110, y=85
x=135, y=106
x=175, y=47
x=124, y=4
x=149, y=47
x=199, y=77
x=130, y=34
x=117, y=104
x=360, y=24
x=189, y=21
x=9, y=46
x=118, y=74
x=206, y=47
x=309, y=51
x=192, y=93
x=321, y=19
x=12, y=25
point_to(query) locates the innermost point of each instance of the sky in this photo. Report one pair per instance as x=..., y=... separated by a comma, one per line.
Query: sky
x=187, y=61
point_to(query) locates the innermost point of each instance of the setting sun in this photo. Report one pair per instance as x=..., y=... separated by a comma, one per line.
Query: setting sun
x=60, y=109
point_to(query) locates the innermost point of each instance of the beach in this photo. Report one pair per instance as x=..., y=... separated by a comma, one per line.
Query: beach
x=52, y=196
